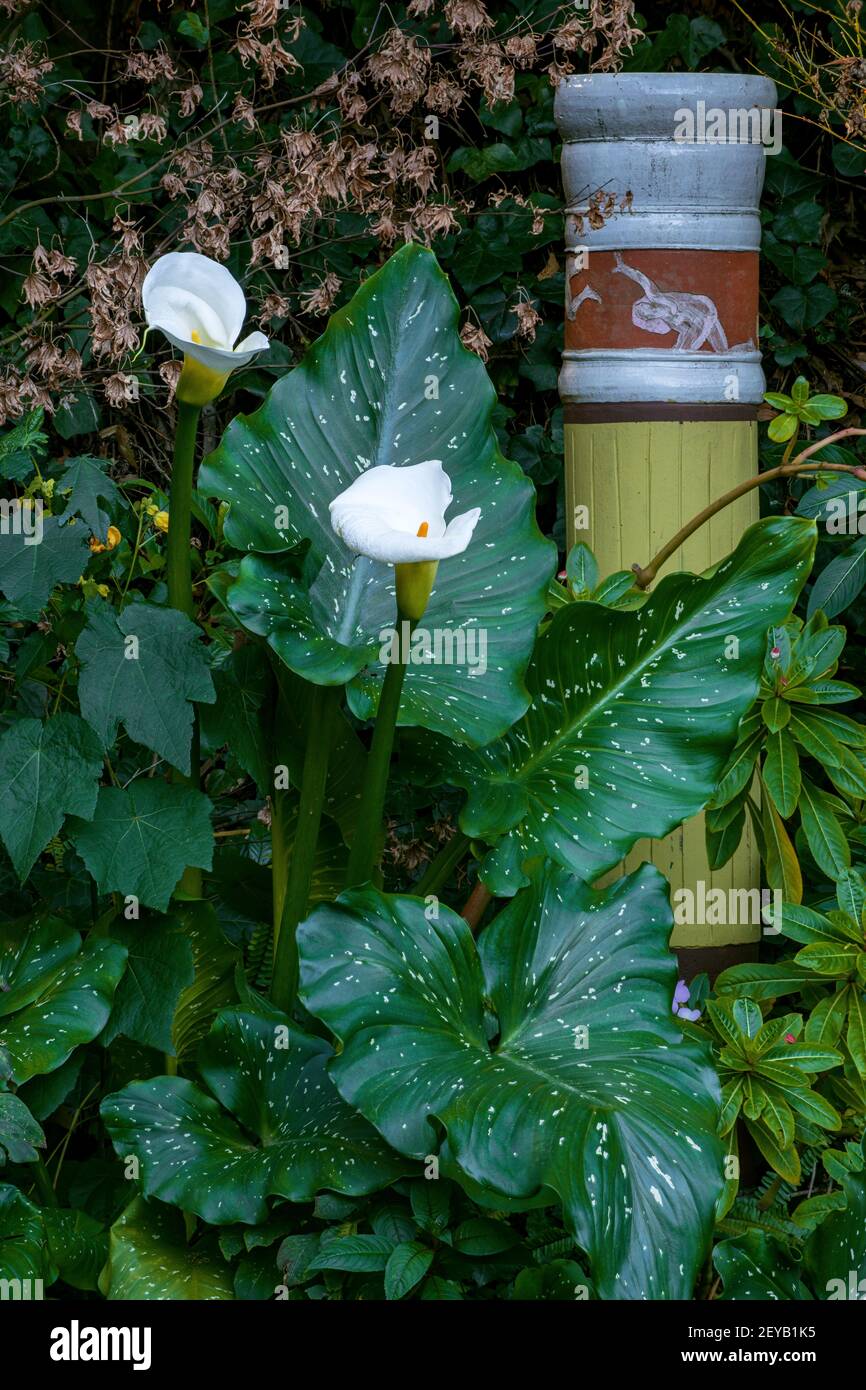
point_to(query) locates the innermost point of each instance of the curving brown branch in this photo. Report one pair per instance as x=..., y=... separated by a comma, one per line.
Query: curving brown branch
x=644, y=575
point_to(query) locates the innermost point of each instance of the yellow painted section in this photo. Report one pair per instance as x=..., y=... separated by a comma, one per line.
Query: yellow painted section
x=640, y=482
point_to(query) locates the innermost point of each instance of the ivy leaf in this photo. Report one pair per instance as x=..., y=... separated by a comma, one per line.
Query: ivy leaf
x=633, y=714
x=54, y=994
x=143, y=667
x=142, y=837
x=29, y=572
x=86, y=481
x=621, y=1130
x=151, y=1258
x=47, y=770
x=158, y=967
x=388, y=383
x=269, y=1078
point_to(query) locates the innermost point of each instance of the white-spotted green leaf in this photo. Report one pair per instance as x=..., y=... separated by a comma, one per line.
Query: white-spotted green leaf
x=150, y=1258
x=54, y=993
x=23, y=1246
x=633, y=714
x=589, y=1091
x=388, y=383
x=266, y=1079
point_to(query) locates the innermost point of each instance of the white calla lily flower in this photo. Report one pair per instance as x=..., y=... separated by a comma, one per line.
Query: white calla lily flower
x=398, y=515
x=200, y=307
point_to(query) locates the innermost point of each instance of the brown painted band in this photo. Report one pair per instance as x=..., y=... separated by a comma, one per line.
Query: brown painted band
x=615, y=411
x=693, y=960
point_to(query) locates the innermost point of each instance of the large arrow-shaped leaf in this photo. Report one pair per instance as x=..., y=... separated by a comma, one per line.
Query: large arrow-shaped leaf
x=270, y=1079
x=633, y=714
x=388, y=383
x=589, y=1090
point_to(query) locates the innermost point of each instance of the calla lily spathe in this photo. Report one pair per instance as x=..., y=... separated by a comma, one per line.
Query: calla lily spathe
x=397, y=515
x=200, y=307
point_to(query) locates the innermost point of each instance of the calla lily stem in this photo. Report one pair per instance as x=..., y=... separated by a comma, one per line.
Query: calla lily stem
x=178, y=571
x=324, y=710
x=440, y=869
x=367, y=845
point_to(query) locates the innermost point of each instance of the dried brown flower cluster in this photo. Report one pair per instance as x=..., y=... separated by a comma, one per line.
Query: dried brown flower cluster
x=365, y=143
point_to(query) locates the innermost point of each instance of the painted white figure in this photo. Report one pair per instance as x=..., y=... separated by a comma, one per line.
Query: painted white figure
x=574, y=304
x=693, y=317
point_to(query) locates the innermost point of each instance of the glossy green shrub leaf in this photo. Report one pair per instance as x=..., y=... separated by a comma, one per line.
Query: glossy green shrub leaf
x=55, y=994
x=633, y=715
x=388, y=383
x=267, y=1079
x=622, y=1131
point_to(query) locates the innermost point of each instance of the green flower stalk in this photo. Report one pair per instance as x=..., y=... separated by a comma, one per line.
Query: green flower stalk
x=396, y=516
x=200, y=307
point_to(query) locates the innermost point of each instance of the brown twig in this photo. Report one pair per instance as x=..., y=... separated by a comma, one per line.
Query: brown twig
x=476, y=904
x=645, y=575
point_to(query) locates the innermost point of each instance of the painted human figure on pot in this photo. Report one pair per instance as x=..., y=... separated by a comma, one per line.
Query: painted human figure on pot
x=614, y=302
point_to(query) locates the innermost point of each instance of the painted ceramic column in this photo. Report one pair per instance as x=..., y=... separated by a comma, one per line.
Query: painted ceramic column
x=661, y=376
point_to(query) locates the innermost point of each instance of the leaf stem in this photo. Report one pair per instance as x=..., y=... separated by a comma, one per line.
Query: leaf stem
x=323, y=715
x=440, y=868
x=367, y=846
x=44, y=1185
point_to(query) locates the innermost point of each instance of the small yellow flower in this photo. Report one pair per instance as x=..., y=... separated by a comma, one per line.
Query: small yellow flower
x=111, y=540
x=102, y=590
x=151, y=509
x=160, y=521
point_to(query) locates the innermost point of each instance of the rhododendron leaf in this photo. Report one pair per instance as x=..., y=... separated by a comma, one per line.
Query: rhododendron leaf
x=588, y=1091
x=388, y=383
